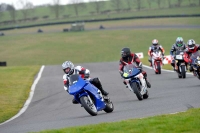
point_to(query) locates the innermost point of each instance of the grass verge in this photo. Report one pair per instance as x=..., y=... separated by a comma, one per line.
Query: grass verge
x=15, y=86
x=184, y=122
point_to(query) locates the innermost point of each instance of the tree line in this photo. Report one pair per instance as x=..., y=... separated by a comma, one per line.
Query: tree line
x=98, y=7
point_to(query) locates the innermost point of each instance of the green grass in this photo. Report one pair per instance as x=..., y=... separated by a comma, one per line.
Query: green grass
x=15, y=86
x=187, y=122
x=85, y=14
x=92, y=46
x=25, y=53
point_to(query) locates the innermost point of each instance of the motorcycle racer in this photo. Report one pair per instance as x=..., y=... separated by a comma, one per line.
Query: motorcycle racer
x=192, y=47
x=177, y=46
x=69, y=69
x=155, y=45
x=129, y=58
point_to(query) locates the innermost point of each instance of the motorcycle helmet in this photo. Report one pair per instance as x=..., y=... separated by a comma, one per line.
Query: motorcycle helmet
x=155, y=42
x=179, y=41
x=69, y=66
x=125, y=52
x=191, y=44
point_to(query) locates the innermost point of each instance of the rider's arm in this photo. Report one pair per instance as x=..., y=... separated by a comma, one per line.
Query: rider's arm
x=121, y=66
x=136, y=59
x=162, y=49
x=66, y=82
x=81, y=71
x=172, y=50
x=149, y=51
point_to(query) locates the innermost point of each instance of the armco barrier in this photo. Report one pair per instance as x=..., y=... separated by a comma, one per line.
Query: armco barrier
x=98, y=20
x=3, y=63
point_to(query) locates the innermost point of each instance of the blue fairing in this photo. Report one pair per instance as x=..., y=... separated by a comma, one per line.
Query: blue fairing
x=79, y=87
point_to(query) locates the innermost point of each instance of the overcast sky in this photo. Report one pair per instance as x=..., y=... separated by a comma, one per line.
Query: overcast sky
x=35, y=2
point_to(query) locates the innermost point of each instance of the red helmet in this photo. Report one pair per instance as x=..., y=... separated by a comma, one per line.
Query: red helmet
x=155, y=42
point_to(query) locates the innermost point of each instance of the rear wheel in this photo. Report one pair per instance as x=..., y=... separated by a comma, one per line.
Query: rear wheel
x=159, y=68
x=88, y=105
x=109, y=106
x=137, y=90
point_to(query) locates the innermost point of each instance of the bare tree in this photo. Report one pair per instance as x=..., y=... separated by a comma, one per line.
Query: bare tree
x=27, y=8
x=139, y=4
x=159, y=3
x=129, y=3
x=77, y=5
x=169, y=3
x=97, y=4
x=56, y=8
x=12, y=12
x=1, y=15
x=149, y=3
x=179, y=3
x=117, y=4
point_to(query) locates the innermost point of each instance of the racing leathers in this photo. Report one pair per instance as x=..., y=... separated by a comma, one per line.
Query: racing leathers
x=152, y=48
x=189, y=53
x=173, y=51
x=133, y=58
x=85, y=74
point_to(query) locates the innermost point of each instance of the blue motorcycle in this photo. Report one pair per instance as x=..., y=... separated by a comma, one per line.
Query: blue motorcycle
x=89, y=96
x=132, y=76
x=196, y=63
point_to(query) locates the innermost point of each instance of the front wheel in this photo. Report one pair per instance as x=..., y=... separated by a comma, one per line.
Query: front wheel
x=88, y=105
x=109, y=106
x=136, y=89
x=159, y=67
x=183, y=73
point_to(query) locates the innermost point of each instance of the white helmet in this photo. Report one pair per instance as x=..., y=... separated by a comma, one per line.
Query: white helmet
x=155, y=42
x=191, y=44
x=68, y=64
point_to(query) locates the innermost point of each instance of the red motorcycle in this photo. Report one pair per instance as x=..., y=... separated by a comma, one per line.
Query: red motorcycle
x=157, y=61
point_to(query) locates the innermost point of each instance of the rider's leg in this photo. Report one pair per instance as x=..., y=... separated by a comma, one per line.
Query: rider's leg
x=145, y=77
x=96, y=82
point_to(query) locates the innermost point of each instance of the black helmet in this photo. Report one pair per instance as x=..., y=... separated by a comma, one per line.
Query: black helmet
x=125, y=52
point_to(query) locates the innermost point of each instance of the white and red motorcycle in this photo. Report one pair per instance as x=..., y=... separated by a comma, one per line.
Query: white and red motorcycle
x=157, y=61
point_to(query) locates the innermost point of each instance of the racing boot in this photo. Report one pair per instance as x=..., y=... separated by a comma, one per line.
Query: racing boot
x=103, y=91
x=147, y=82
x=74, y=101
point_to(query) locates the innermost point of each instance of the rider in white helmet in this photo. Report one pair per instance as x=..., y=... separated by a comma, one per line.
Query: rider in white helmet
x=155, y=45
x=69, y=69
x=192, y=47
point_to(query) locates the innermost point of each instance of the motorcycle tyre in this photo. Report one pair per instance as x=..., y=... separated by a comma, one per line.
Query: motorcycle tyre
x=136, y=90
x=146, y=95
x=84, y=101
x=183, y=73
x=109, y=106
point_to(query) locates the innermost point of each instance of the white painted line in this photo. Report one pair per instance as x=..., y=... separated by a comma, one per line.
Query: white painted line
x=28, y=101
x=163, y=69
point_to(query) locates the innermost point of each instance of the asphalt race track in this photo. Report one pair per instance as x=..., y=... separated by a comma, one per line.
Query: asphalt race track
x=51, y=106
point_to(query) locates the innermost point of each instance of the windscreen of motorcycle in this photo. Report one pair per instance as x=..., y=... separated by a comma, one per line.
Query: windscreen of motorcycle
x=130, y=70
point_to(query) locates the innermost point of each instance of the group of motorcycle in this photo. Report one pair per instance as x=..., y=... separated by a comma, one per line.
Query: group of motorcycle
x=180, y=63
x=92, y=99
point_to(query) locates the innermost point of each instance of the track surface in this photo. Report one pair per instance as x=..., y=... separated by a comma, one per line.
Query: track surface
x=51, y=106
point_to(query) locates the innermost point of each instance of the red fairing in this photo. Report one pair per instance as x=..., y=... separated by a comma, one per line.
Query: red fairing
x=187, y=58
